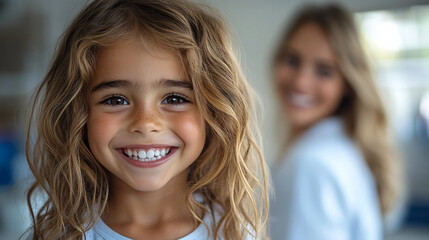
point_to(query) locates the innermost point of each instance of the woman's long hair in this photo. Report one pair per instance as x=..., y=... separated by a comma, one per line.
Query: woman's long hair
x=361, y=109
x=230, y=171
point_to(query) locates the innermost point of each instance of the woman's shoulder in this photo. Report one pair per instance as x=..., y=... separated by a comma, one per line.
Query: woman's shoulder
x=327, y=152
x=325, y=144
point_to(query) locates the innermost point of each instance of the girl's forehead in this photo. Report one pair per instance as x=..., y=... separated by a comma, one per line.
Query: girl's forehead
x=136, y=45
x=129, y=59
x=150, y=44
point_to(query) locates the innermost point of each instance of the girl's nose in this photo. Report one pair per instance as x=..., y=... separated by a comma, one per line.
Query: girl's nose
x=145, y=121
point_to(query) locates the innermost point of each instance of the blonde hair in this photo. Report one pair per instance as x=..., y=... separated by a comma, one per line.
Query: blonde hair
x=230, y=171
x=361, y=109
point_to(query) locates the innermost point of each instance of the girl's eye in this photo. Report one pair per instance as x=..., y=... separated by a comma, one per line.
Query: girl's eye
x=115, y=100
x=175, y=99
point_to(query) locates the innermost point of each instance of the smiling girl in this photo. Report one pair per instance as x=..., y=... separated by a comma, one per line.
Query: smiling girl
x=144, y=130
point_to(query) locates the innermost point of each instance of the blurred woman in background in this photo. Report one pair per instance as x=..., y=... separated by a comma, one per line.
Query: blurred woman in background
x=339, y=173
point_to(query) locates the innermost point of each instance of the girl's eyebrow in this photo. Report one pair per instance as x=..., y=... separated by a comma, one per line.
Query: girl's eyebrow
x=173, y=83
x=128, y=84
x=111, y=84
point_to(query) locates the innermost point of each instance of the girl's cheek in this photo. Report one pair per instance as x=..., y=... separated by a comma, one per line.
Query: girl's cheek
x=101, y=128
x=189, y=126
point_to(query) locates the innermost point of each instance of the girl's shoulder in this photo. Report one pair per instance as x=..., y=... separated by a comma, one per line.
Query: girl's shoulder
x=204, y=230
x=100, y=231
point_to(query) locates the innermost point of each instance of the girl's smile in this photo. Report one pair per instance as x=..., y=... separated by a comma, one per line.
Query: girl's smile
x=147, y=156
x=144, y=125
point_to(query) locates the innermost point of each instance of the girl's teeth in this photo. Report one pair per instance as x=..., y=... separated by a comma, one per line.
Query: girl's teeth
x=150, y=154
x=142, y=154
x=145, y=156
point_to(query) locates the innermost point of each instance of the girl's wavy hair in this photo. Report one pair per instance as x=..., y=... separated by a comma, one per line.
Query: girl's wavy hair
x=230, y=171
x=361, y=109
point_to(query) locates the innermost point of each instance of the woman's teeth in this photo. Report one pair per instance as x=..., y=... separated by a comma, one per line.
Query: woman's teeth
x=301, y=100
x=146, y=155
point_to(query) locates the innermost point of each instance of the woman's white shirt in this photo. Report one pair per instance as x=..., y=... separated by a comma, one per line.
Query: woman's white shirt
x=324, y=189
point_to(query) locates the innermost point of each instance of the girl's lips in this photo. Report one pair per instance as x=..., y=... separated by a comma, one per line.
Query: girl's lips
x=147, y=162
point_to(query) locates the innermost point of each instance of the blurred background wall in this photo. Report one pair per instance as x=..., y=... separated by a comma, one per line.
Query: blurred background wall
x=396, y=33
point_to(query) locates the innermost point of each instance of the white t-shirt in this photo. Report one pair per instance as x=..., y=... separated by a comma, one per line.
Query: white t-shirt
x=101, y=231
x=324, y=190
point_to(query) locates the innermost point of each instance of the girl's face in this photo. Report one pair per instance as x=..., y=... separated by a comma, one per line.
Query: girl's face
x=308, y=80
x=144, y=125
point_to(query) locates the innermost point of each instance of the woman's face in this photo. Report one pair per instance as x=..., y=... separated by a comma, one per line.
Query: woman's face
x=308, y=80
